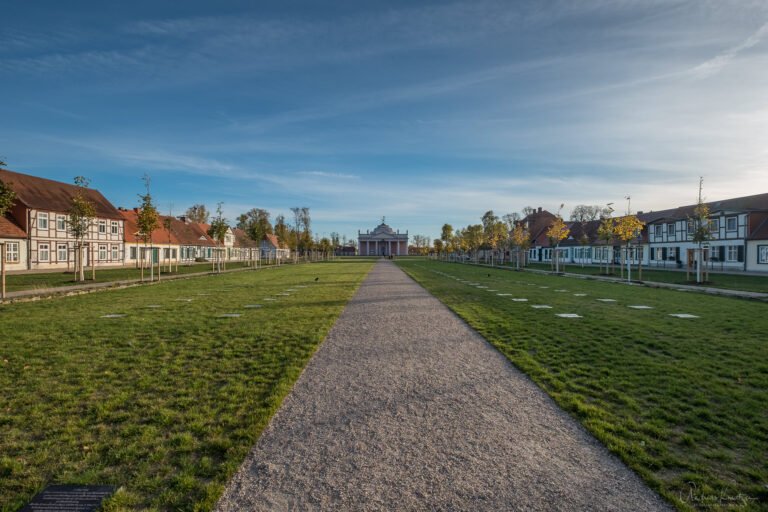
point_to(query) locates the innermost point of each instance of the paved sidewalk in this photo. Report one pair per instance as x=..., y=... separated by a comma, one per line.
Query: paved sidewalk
x=404, y=407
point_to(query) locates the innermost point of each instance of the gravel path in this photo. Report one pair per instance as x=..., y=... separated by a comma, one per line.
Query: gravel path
x=404, y=407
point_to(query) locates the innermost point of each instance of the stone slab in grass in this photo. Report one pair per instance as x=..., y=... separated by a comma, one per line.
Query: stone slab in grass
x=252, y=306
x=300, y=286
x=579, y=294
x=229, y=315
x=489, y=290
x=70, y=498
x=504, y=294
x=607, y=300
x=541, y=306
x=283, y=294
x=568, y=315
x=113, y=315
x=203, y=294
x=560, y=291
x=183, y=300
x=519, y=300
x=683, y=315
x=543, y=287
x=483, y=287
x=639, y=306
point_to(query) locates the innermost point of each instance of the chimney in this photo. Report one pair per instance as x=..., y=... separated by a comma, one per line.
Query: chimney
x=539, y=209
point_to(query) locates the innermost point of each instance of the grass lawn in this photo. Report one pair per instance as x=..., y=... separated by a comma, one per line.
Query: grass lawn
x=167, y=400
x=731, y=281
x=17, y=282
x=684, y=402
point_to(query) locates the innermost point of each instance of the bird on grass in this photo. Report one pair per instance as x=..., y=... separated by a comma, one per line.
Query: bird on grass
x=489, y=275
x=317, y=279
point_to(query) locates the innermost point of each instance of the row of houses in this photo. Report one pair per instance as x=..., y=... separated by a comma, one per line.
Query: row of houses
x=35, y=233
x=738, y=232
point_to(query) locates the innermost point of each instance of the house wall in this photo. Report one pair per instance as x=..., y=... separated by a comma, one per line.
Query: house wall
x=134, y=252
x=51, y=246
x=757, y=256
x=20, y=253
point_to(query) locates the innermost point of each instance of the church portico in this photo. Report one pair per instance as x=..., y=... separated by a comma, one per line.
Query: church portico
x=382, y=241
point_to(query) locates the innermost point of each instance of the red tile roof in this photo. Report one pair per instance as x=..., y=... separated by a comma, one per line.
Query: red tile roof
x=9, y=228
x=181, y=233
x=49, y=195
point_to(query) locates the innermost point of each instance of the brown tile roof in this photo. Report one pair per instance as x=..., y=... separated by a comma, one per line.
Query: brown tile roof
x=537, y=224
x=9, y=228
x=758, y=226
x=44, y=194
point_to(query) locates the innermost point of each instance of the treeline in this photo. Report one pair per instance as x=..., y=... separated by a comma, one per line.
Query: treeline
x=294, y=233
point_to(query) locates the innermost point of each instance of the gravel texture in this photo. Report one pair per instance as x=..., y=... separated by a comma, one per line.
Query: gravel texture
x=404, y=407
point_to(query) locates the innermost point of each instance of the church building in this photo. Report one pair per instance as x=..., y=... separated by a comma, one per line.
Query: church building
x=382, y=241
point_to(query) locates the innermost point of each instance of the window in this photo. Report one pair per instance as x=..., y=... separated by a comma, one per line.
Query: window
x=659, y=254
x=762, y=254
x=658, y=230
x=731, y=223
x=103, y=250
x=115, y=252
x=732, y=253
x=671, y=229
x=43, y=252
x=115, y=227
x=173, y=254
x=61, y=252
x=166, y=253
x=42, y=221
x=133, y=253
x=12, y=252
x=714, y=253
x=714, y=225
x=102, y=226
x=671, y=254
x=61, y=223
x=691, y=227
x=546, y=254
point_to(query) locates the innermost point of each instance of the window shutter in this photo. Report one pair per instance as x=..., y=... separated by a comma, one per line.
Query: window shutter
x=721, y=255
x=677, y=253
x=663, y=253
x=741, y=253
x=653, y=254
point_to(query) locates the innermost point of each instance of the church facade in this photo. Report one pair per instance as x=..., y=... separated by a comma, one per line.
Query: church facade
x=382, y=241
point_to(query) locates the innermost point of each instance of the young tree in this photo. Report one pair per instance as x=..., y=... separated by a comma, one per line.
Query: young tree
x=438, y=245
x=147, y=221
x=198, y=213
x=7, y=199
x=446, y=234
x=556, y=233
x=167, y=223
x=473, y=238
x=218, y=231
x=521, y=239
x=282, y=231
x=528, y=210
x=702, y=232
x=81, y=214
x=626, y=229
x=605, y=233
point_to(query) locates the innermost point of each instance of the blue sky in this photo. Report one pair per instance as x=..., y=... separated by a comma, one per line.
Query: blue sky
x=425, y=112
